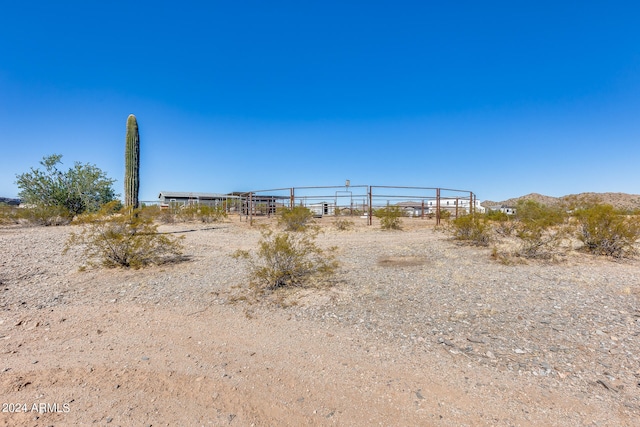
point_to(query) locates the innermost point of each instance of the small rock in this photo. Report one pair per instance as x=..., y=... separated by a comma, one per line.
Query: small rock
x=606, y=385
x=519, y=351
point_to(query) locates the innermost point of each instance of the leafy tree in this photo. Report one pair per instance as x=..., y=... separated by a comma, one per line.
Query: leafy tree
x=84, y=187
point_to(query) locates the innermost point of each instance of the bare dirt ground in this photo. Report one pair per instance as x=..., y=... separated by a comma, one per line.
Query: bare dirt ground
x=416, y=330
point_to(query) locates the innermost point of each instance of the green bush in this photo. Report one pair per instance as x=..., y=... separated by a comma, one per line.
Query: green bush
x=389, y=217
x=297, y=218
x=84, y=187
x=498, y=216
x=126, y=239
x=533, y=213
x=288, y=259
x=474, y=229
x=607, y=231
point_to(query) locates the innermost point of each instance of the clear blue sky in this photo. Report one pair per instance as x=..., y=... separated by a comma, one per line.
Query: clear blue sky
x=503, y=98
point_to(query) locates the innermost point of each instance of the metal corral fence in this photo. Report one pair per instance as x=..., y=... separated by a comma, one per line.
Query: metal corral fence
x=230, y=203
x=360, y=200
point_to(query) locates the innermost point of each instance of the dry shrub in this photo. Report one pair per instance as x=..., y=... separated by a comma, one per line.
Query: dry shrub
x=389, y=217
x=502, y=224
x=607, y=231
x=45, y=215
x=540, y=242
x=473, y=229
x=445, y=214
x=8, y=214
x=201, y=213
x=343, y=224
x=296, y=218
x=158, y=214
x=125, y=239
x=288, y=259
x=541, y=229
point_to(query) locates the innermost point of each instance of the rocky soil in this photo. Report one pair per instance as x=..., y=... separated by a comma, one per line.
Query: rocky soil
x=416, y=330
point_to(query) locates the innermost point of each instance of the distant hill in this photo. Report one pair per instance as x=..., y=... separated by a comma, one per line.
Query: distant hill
x=618, y=200
x=8, y=201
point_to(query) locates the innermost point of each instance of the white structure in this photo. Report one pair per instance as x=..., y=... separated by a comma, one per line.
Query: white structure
x=322, y=208
x=449, y=204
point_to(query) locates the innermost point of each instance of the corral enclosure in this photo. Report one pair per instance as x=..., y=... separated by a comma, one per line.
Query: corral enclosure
x=361, y=201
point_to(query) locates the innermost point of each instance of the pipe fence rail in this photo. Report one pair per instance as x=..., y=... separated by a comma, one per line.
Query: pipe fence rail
x=360, y=200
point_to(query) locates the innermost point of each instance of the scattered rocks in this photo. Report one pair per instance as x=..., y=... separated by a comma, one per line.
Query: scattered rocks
x=551, y=326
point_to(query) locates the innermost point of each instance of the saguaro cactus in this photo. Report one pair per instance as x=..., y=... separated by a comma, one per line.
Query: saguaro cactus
x=132, y=163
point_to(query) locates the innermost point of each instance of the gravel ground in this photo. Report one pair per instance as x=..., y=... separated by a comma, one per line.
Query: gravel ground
x=417, y=330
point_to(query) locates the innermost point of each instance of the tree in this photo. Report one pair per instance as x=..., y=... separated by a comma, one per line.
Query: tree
x=84, y=187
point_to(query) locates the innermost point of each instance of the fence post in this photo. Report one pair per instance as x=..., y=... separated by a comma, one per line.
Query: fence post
x=370, y=207
x=437, y=206
x=472, y=206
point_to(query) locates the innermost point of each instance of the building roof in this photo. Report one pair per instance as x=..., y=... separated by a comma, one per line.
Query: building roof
x=193, y=195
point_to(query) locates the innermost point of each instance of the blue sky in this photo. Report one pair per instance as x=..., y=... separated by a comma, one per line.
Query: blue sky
x=501, y=98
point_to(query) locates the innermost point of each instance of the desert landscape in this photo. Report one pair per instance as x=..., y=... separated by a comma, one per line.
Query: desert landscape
x=416, y=329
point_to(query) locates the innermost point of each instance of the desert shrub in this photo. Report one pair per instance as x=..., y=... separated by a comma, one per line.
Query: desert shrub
x=158, y=214
x=126, y=239
x=607, y=231
x=541, y=229
x=8, y=214
x=288, y=259
x=540, y=241
x=445, y=214
x=208, y=214
x=343, y=224
x=45, y=215
x=474, y=229
x=532, y=212
x=502, y=223
x=201, y=213
x=498, y=216
x=389, y=217
x=296, y=218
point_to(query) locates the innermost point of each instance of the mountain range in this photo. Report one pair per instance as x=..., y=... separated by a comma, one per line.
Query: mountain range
x=618, y=200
